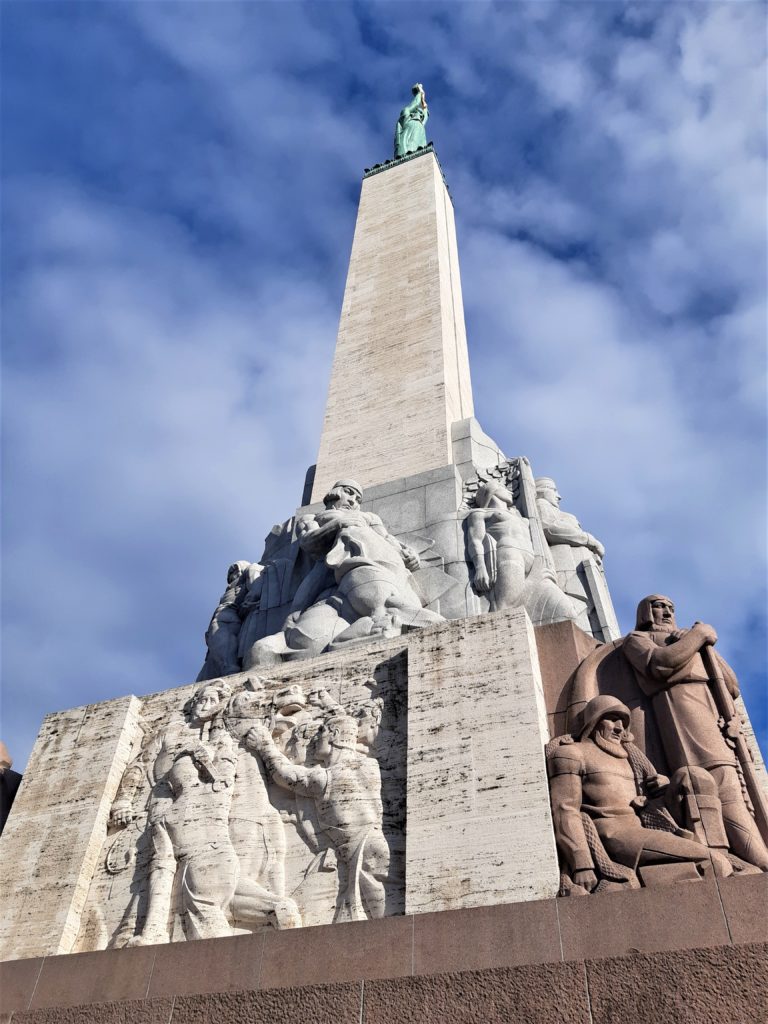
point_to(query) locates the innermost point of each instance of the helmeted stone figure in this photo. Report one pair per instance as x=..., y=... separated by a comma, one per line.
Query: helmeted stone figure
x=669, y=667
x=500, y=549
x=600, y=785
x=410, y=133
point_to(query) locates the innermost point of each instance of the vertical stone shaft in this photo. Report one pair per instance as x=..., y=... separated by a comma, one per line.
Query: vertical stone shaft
x=401, y=370
x=479, y=828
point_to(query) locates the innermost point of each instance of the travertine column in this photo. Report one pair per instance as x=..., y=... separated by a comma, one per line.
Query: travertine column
x=56, y=829
x=401, y=371
x=479, y=829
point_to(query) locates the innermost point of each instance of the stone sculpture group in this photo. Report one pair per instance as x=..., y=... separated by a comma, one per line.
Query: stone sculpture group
x=340, y=577
x=212, y=842
x=618, y=821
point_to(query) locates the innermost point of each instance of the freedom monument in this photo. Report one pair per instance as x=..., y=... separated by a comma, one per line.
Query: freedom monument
x=421, y=774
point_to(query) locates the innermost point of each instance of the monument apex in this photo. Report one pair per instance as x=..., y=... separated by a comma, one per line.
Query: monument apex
x=400, y=375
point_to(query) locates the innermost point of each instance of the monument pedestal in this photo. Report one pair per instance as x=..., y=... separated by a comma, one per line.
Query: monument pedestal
x=691, y=954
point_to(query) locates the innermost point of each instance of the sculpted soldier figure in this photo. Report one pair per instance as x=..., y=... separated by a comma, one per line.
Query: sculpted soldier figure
x=346, y=788
x=500, y=549
x=600, y=786
x=561, y=528
x=669, y=667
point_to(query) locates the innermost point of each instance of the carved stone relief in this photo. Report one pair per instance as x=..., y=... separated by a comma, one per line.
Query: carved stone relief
x=256, y=805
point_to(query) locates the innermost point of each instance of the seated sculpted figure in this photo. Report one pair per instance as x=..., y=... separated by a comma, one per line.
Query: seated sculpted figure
x=698, y=723
x=360, y=584
x=346, y=788
x=500, y=549
x=601, y=787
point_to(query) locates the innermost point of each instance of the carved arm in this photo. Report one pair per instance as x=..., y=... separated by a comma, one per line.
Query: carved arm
x=305, y=781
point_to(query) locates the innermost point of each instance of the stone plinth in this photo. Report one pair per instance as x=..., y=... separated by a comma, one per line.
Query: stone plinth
x=479, y=823
x=462, y=780
x=401, y=371
x=692, y=954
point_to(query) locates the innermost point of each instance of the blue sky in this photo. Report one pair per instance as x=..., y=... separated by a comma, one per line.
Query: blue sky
x=180, y=189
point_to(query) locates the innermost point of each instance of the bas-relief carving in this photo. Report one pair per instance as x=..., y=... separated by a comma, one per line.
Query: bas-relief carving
x=203, y=843
x=606, y=794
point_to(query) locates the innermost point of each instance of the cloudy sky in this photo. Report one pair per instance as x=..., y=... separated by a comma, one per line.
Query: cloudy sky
x=180, y=189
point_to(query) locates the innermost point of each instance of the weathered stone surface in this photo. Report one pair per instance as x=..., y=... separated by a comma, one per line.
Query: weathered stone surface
x=645, y=920
x=525, y=995
x=479, y=825
x=699, y=986
x=401, y=372
x=56, y=831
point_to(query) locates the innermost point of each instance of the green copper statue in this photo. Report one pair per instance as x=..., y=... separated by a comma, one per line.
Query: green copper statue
x=410, y=134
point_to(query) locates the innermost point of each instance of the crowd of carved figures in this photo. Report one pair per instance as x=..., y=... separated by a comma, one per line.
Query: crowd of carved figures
x=651, y=783
x=199, y=825
x=335, y=577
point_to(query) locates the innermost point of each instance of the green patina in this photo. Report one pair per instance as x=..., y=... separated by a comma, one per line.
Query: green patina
x=410, y=132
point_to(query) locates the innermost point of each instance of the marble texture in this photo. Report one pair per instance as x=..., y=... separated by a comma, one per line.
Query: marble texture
x=400, y=374
x=479, y=823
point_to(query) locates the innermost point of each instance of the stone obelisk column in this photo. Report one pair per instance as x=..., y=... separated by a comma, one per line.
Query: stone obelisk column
x=401, y=371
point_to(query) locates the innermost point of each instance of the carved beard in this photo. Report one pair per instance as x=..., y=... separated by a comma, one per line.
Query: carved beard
x=664, y=627
x=610, y=746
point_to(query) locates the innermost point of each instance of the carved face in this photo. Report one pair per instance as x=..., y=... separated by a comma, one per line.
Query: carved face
x=494, y=494
x=611, y=728
x=550, y=494
x=321, y=744
x=346, y=497
x=663, y=612
x=206, y=703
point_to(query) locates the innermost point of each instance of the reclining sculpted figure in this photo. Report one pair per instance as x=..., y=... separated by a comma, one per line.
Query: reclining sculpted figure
x=360, y=585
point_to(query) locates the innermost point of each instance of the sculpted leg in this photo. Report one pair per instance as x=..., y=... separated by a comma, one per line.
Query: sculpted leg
x=667, y=848
x=159, y=890
x=740, y=827
x=207, y=888
x=373, y=874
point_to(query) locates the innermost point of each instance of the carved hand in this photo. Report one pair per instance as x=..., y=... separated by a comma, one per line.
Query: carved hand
x=596, y=547
x=411, y=559
x=257, y=737
x=121, y=814
x=707, y=633
x=586, y=878
x=482, y=580
x=656, y=784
